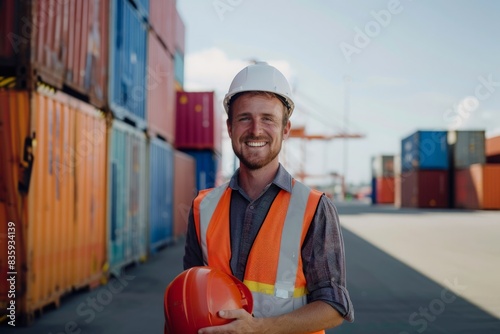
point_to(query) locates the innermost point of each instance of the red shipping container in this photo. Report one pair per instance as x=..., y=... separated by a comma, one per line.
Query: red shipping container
x=425, y=189
x=197, y=121
x=68, y=42
x=162, y=19
x=184, y=190
x=478, y=187
x=385, y=190
x=161, y=91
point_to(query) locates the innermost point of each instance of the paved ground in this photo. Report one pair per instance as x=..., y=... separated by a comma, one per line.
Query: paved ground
x=409, y=271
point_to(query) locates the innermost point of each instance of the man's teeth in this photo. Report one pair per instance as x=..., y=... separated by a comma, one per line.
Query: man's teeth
x=256, y=144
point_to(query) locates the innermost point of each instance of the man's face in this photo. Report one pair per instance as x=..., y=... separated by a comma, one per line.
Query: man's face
x=257, y=130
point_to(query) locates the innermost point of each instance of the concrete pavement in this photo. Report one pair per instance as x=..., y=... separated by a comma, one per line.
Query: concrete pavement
x=395, y=269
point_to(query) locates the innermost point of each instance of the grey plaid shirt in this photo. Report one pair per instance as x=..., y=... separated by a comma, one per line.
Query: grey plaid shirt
x=323, y=255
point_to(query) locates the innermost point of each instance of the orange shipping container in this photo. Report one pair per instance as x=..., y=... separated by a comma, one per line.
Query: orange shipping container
x=161, y=91
x=57, y=202
x=184, y=190
x=478, y=187
x=385, y=190
x=493, y=146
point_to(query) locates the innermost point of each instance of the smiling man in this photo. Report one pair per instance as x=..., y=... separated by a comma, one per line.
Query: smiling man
x=281, y=238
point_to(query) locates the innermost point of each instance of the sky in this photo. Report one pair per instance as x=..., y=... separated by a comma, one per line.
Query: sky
x=393, y=67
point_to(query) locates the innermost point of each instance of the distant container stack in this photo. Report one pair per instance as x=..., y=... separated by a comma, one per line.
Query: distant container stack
x=198, y=133
x=424, y=170
x=383, y=179
x=475, y=184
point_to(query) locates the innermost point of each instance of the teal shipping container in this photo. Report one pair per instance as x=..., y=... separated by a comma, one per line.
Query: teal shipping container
x=425, y=150
x=161, y=188
x=179, y=68
x=127, y=85
x=127, y=196
x=467, y=148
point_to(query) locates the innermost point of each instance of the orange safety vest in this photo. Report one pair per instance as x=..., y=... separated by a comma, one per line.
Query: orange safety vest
x=274, y=267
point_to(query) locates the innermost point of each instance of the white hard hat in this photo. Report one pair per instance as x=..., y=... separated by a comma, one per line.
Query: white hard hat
x=260, y=77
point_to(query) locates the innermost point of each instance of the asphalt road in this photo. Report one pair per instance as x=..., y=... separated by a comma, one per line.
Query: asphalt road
x=389, y=296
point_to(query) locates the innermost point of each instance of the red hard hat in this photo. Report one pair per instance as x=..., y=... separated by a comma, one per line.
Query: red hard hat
x=193, y=299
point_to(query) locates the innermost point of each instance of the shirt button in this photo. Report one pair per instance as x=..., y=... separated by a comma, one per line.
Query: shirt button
x=251, y=207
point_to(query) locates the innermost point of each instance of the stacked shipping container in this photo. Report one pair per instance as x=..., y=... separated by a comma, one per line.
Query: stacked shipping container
x=53, y=169
x=424, y=170
x=95, y=93
x=199, y=134
x=476, y=185
x=383, y=179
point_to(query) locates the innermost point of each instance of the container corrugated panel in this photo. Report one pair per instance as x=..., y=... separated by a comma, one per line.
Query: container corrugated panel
x=161, y=188
x=161, y=91
x=385, y=190
x=198, y=121
x=478, y=187
x=61, y=226
x=68, y=42
x=127, y=194
x=493, y=146
x=179, y=68
x=467, y=148
x=207, y=167
x=127, y=64
x=425, y=189
x=162, y=20
x=184, y=190
x=425, y=150
x=9, y=30
x=383, y=166
x=73, y=44
x=397, y=190
x=180, y=33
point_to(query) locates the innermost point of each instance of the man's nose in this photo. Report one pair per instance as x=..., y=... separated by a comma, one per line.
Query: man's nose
x=256, y=128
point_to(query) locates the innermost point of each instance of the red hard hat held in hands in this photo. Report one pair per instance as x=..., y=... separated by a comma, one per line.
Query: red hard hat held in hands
x=194, y=298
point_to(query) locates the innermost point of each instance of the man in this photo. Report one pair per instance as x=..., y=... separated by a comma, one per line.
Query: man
x=282, y=239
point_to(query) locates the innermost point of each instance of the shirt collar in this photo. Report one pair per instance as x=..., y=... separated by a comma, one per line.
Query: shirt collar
x=283, y=179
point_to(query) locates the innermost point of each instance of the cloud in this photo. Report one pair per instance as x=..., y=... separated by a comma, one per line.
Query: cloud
x=212, y=70
x=386, y=81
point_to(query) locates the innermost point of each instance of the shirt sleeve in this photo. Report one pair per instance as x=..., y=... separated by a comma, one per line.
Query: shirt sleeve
x=192, y=251
x=323, y=259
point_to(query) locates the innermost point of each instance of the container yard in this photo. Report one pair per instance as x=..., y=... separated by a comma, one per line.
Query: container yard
x=112, y=122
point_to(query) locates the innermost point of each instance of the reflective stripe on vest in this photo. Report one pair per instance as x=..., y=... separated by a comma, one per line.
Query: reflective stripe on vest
x=285, y=294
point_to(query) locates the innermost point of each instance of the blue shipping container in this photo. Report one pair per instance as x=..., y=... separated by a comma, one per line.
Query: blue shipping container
x=161, y=192
x=425, y=150
x=127, y=186
x=143, y=7
x=127, y=63
x=207, y=164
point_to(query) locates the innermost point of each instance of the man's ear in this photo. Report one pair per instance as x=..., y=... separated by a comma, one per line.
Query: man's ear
x=286, y=130
x=229, y=129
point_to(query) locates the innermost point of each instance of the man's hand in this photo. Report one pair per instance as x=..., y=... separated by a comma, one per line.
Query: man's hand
x=243, y=323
